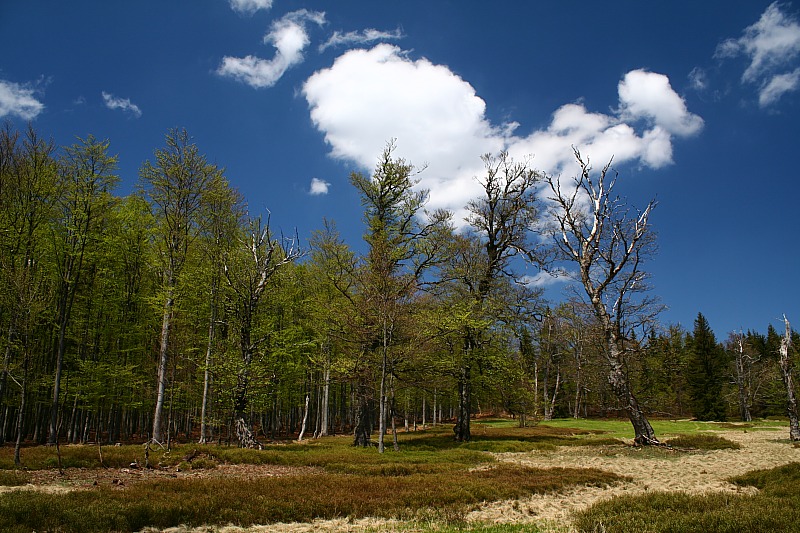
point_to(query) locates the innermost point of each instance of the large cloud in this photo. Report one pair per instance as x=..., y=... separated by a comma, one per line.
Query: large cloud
x=772, y=45
x=370, y=96
x=18, y=100
x=289, y=37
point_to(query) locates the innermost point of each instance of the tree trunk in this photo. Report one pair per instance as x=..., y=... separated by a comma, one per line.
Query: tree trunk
x=323, y=430
x=643, y=431
x=741, y=382
x=305, y=419
x=461, y=429
x=788, y=381
x=162, y=363
x=362, y=430
x=207, y=373
x=21, y=414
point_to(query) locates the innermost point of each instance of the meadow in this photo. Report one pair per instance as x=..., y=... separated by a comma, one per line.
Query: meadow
x=557, y=476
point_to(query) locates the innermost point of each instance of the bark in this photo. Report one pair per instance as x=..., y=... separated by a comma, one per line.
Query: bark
x=305, y=419
x=21, y=414
x=363, y=423
x=209, y=351
x=163, y=360
x=741, y=381
x=643, y=431
x=323, y=431
x=788, y=381
x=462, y=429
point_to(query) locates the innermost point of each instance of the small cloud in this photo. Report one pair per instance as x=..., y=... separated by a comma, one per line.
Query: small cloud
x=248, y=7
x=698, y=79
x=319, y=187
x=777, y=87
x=113, y=102
x=289, y=37
x=18, y=100
x=772, y=45
x=649, y=95
x=547, y=279
x=360, y=37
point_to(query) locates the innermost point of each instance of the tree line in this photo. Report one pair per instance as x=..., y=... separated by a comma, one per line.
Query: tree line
x=176, y=313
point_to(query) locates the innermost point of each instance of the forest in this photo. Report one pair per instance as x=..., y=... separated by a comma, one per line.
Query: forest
x=177, y=314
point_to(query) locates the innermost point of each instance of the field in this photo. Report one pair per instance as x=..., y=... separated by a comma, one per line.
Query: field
x=565, y=475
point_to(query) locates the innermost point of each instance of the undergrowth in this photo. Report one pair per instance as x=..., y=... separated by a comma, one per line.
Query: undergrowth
x=302, y=498
x=775, y=508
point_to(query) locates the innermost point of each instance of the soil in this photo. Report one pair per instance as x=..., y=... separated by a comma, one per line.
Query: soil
x=647, y=469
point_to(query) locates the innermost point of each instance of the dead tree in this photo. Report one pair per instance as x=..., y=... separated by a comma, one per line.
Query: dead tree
x=260, y=257
x=598, y=233
x=787, y=369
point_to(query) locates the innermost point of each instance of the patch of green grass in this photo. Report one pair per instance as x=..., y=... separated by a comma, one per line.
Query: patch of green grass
x=195, y=502
x=775, y=508
x=703, y=441
x=13, y=478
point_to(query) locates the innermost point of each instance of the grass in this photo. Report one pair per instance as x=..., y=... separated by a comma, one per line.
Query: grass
x=431, y=483
x=433, y=480
x=302, y=498
x=775, y=508
x=703, y=441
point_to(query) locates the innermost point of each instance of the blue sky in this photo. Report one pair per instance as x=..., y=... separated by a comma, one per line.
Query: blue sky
x=697, y=102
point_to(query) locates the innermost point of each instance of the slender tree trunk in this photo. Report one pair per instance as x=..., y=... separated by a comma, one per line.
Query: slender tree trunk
x=207, y=373
x=163, y=359
x=305, y=419
x=741, y=382
x=60, y=349
x=362, y=422
x=382, y=401
x=324, y=408
x=21, y=414
x=788, y=381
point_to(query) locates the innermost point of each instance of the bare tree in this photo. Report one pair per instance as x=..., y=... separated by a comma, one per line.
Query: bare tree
x=262, y=256
x=788, y=380
x=743, y=363
x=608, y=243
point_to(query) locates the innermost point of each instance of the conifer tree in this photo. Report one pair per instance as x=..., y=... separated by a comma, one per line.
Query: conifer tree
x=706, y=373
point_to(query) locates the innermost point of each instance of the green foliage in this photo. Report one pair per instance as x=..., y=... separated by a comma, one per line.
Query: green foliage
x=707, y=373
x=775, y=508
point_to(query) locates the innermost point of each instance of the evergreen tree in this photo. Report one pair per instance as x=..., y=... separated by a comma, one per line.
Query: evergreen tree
x=707, y=372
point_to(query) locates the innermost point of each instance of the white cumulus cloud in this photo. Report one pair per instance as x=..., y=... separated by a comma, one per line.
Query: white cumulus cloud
x=113, y=102
x=360, y=37
x=289, y=36
x=248, y=7
x=368, y=97
x=318, y=187
x=18, y=100
x=772, y=45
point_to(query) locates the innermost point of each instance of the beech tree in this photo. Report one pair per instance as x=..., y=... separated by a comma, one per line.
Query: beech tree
x=176, y=184
x=500, y=221
x=596, y=231
x=87, y=178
